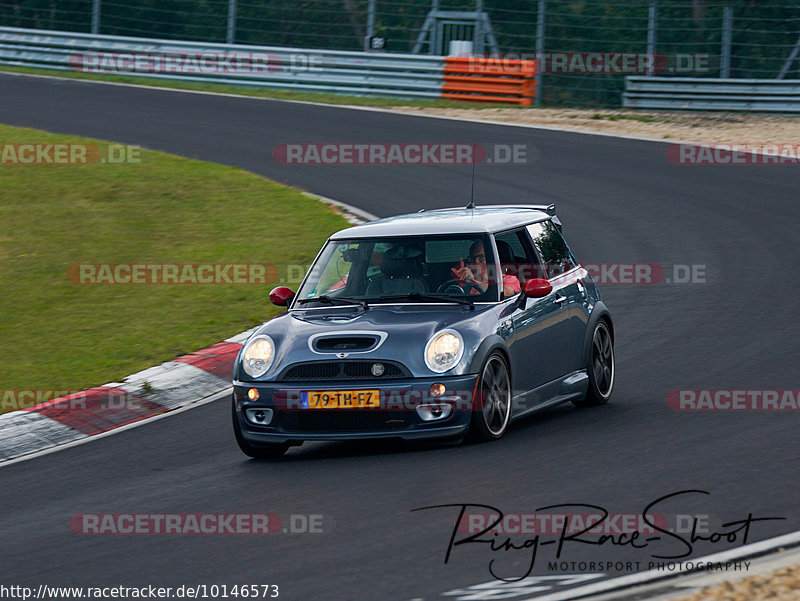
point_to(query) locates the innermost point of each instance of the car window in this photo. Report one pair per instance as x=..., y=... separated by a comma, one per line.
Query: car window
x=371, y=268
x=525, y=264
x=450, y=251
x=376, y=257
x=334, y=273
x=552, y=248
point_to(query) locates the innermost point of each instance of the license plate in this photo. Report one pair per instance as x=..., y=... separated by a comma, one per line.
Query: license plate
x=340, y=399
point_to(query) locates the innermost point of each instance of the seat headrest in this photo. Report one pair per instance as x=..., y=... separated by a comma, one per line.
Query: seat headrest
x=401, y=261
x=505, y=252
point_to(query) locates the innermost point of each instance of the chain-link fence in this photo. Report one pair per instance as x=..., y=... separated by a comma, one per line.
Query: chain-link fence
x=703, y=38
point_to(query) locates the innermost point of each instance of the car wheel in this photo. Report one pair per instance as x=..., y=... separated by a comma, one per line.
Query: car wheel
x=261, y=451
x=600, y=368
x=492, y=407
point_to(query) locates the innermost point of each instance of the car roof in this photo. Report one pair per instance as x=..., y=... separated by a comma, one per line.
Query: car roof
x=480, y=220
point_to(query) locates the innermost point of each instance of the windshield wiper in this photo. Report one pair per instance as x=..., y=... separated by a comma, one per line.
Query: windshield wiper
x=416, y=296
x=329, y=300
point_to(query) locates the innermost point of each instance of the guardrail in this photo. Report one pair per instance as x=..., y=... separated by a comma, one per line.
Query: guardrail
x=690, y=93
x=341, y=72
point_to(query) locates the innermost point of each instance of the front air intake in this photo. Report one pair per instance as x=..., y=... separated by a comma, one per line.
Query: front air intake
x=345, y=344
x=343, y=370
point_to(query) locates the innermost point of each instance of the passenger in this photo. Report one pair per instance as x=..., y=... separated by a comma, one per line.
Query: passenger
x=475, y=271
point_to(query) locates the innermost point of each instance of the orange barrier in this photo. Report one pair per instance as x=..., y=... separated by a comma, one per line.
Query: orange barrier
x=489, y=80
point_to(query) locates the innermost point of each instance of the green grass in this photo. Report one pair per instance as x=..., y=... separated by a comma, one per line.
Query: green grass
x=318, y=97
x=64, y=336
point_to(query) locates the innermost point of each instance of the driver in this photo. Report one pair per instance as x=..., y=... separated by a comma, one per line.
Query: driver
x=476, y=272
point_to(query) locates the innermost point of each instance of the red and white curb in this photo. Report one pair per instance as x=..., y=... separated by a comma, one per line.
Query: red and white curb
x=173, y=385
x=140, y=396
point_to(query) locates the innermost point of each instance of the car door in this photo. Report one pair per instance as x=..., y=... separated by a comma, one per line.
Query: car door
x=568, y=297
x=538, y=327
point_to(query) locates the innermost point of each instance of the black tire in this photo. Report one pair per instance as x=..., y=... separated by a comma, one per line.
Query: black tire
x=261, y=451
x=601, y=368
x=491, y=410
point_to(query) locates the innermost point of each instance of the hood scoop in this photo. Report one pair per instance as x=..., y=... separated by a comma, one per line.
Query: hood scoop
x=345, y=344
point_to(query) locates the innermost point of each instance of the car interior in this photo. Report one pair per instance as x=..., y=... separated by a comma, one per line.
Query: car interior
x=404, y=267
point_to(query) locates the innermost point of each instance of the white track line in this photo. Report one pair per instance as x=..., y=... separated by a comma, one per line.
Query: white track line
x=367, y=216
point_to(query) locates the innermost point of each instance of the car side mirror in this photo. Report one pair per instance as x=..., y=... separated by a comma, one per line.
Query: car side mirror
x=537, y=288
x=281, y=296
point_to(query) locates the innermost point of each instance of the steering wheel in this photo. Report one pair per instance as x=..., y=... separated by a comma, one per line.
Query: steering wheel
x=457, y=287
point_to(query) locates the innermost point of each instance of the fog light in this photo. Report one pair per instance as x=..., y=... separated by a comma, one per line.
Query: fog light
x=252, y=394
x=437, y=389
x=377, y=369
x=262, y=417
x=434, y=411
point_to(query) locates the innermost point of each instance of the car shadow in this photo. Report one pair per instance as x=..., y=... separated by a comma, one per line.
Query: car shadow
x=537, y=424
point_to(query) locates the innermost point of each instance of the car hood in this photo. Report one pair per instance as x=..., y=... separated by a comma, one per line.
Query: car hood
x=405, y=330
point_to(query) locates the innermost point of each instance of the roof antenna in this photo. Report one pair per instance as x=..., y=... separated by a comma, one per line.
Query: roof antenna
x=471, y=204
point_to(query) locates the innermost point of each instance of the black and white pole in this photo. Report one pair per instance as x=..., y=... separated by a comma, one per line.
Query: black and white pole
x=370, y=25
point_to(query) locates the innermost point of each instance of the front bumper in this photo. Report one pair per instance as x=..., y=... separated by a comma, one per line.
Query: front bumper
x=397, y=416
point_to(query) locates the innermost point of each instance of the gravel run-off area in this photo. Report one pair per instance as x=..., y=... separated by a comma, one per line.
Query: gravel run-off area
x=709, y=128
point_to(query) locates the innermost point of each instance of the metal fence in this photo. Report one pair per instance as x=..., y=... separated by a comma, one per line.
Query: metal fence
x=757, y=39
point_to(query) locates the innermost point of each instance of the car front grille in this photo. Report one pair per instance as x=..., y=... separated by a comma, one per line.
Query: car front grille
x=315, y=371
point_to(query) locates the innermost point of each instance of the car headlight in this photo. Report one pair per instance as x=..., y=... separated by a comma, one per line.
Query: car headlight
x=444, y=350
x=258, y=355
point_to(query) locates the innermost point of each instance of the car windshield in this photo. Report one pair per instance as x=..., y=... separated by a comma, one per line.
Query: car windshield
x=442, y=268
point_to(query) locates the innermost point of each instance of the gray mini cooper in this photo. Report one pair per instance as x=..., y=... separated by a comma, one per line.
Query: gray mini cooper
x=439, y=324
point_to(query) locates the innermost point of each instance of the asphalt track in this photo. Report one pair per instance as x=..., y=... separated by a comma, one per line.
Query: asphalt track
x=620, y=201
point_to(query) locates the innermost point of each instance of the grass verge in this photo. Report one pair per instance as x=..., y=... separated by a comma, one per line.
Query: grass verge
x=58, y=335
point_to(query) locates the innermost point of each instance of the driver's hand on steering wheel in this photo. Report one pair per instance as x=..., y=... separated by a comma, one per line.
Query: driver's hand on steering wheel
x=462, y=272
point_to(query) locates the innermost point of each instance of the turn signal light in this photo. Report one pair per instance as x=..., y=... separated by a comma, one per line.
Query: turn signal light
x=437, y=389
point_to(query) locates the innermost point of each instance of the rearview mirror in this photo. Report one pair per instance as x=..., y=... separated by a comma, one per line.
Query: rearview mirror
x=281, y=296
x=537, y=288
